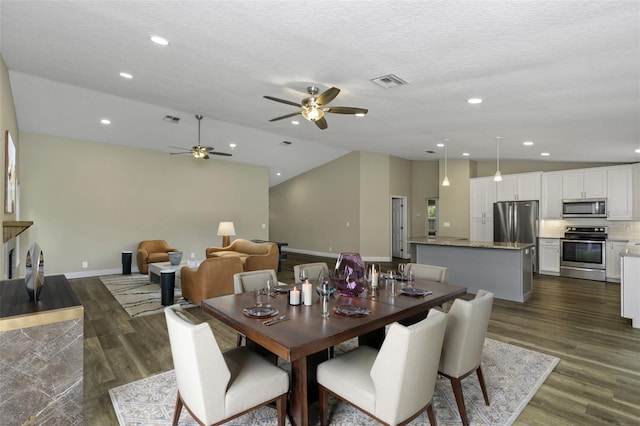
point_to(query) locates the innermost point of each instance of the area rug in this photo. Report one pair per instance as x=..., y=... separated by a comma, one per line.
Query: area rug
x=138, y=296
x=512, y=374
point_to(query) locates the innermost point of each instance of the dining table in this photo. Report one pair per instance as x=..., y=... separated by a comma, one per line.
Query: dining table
x=305, y=337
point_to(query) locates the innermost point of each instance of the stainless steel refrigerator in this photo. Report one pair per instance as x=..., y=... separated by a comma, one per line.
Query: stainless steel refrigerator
x=517, y=221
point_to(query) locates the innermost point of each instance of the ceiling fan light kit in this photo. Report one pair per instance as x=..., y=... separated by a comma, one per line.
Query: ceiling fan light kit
x=313, y=108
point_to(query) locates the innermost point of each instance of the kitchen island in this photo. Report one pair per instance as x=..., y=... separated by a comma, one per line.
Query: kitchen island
x=505, y=269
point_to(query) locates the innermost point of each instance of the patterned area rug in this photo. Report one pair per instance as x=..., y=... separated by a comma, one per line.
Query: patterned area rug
x=138, y=296
x=512, y=374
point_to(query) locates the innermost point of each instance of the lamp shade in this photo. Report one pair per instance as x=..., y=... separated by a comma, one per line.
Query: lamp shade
x=226, y=228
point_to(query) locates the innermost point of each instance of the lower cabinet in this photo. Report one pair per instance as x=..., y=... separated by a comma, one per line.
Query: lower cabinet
x=614, y=248
x=482, y=229
x=549, y=256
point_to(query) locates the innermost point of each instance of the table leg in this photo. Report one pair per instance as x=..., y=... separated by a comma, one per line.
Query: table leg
x=304, y=387
x=373, y=338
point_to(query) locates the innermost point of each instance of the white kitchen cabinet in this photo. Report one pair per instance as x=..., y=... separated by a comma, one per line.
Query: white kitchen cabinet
x=519, y=187
x=585, y=183
x=635, y=185
x=549, y=256
x=483, y=195
x=630, y=289
x=619, y=193
x=614, y=248
x=551, y=201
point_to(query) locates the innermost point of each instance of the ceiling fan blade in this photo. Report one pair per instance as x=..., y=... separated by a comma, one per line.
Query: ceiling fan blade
x=327, y=96
x=178, y=147
x=322, y=123
x=178, y=153
x=282, y=101
x=219, y=153
x=346, y=110
x=206, y=157
x=286, y=116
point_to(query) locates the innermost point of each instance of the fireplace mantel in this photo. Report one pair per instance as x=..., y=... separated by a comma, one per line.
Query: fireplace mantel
x=13, y=228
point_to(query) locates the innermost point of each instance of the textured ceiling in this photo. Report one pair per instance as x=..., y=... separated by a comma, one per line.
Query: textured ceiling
x=565, y=75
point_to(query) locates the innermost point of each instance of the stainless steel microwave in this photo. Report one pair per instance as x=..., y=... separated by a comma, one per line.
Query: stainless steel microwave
x=585, y=207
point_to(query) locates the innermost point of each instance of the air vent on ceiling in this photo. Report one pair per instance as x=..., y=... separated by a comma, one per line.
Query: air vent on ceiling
x=388, y=81
x=171, y=119
x=430, y=152
x=285, y=143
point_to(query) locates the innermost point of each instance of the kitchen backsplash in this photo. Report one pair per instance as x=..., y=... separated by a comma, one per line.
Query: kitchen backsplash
x=618, y=230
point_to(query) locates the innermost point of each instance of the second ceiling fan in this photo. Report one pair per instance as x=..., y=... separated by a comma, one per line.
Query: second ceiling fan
x=199, y=151
x=315, y=106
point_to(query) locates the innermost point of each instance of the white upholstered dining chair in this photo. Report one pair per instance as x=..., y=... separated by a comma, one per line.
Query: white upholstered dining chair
x=313, y=270
x=429, y=272
x=250, y=281
x=214, y=386
x=463, y=344
x=393, y=385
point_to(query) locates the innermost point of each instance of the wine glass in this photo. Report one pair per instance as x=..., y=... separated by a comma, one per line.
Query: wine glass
x=303, y=275
x=402, y=268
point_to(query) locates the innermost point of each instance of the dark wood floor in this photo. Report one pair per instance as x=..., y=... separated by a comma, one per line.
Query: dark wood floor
x=597, y=381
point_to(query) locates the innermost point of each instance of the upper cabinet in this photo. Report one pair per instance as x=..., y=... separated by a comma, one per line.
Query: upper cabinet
x=483, y=195
x=551, y=201
x=635, y=189
x=619, y=194
x=520, y=186
x=585, y=183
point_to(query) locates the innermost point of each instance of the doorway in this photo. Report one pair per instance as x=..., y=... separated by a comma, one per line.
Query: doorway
x=399, y=227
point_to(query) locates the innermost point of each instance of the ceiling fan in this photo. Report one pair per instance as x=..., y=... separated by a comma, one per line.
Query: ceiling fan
x=200, y=152
x=314, y=107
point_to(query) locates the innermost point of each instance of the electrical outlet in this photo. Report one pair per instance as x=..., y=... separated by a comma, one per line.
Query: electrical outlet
x=347, y=224
x=264, y=226
x=330, y=249
x=193, y=255
x=446, y=224
x=85, y=264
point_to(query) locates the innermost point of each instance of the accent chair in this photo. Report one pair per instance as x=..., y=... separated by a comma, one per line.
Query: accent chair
x=213, y=278
x=152, y=251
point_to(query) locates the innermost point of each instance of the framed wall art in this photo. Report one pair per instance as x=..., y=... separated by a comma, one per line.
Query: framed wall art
x=10, y=174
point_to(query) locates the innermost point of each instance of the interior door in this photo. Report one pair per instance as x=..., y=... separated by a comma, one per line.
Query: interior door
x=398, y=227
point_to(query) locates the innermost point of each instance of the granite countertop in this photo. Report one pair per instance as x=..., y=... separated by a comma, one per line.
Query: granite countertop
x=463, y=242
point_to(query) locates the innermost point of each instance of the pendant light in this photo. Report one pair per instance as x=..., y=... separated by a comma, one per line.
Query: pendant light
x=498, y=176
x=445, y=181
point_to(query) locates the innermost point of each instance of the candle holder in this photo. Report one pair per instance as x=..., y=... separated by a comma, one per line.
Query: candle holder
x=294, y=297
x=372, y=276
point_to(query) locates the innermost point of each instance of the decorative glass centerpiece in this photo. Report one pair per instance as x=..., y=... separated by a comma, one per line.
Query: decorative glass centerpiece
x=34, y=272
x=348, y=275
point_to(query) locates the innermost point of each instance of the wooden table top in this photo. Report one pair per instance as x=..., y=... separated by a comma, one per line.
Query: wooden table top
x=306, y=332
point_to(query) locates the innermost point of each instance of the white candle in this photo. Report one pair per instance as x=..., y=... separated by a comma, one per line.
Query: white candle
x=307, y=293
x=374, y=279
x=294, y=296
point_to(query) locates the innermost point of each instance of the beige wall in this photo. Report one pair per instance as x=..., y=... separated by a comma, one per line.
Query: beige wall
x=375, y=212
x=454, y=205
x=425, y=185
x=90, y=201
x=9, y=122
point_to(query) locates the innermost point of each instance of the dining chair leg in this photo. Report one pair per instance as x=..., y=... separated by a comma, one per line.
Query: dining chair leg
x=431, y=415
x=456, y=384
x=482, y=385
x=239, y=340
x=281, y=406
x=323, y=400
x=177, y=410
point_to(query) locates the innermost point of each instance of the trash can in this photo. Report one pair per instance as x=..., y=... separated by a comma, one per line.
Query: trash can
x=127, y=257
x=167, y=286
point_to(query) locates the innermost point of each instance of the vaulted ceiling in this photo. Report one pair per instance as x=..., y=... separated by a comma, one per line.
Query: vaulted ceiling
x=564, y=75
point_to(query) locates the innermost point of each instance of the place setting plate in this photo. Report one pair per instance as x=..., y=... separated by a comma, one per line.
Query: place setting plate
x=415, y=292
x=260, y=312
x=351, y=311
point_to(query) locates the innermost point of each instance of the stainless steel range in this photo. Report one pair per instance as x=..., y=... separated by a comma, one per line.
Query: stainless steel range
x=583, y=252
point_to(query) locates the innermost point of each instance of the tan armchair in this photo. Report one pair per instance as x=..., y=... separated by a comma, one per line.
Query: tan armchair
x=214, y=277
x=152, y=251
x=254, y=256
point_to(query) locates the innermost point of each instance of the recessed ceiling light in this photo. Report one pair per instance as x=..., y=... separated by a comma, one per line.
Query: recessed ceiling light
x=359, y=114
x=440, y=145
x=232, y=145
x=465, y=154
x=295, y=122
x=126, y=75
x=638, y=151
x=278, y=174
x=527, y=143
x=105, y=121
x=474, y=101
x=545, y=154
x=159, y=40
